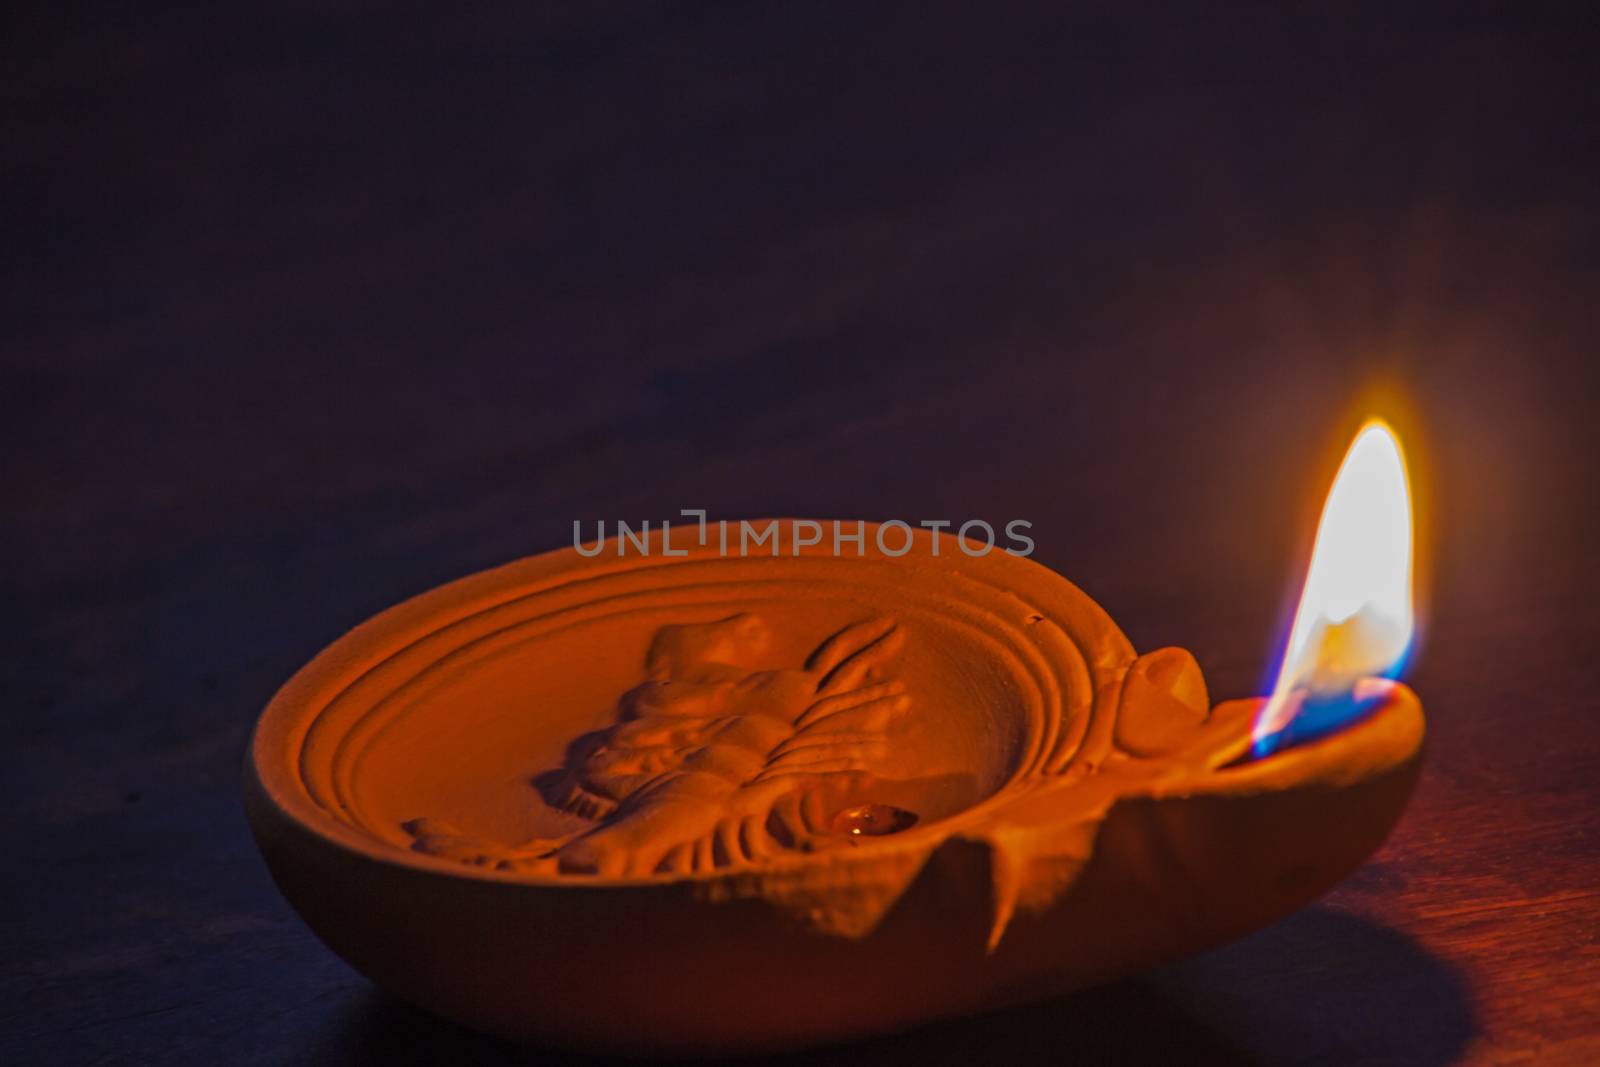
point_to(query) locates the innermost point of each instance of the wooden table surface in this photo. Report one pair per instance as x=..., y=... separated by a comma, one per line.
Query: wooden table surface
x=306, y=313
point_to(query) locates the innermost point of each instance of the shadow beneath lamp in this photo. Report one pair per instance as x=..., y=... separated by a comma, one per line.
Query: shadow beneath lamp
x=1320, y=988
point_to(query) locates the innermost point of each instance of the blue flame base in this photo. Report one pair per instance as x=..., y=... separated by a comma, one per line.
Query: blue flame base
x=1316, y=718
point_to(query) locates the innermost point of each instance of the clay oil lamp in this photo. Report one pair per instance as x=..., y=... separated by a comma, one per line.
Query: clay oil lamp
x=711, y=802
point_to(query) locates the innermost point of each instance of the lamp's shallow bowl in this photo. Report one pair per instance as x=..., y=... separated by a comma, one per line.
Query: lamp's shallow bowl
x=527, y=800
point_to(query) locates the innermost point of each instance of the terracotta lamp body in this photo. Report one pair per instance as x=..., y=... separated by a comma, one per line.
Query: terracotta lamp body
x=670, y=805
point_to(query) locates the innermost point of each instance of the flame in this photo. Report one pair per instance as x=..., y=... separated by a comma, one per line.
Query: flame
x=1356, y=617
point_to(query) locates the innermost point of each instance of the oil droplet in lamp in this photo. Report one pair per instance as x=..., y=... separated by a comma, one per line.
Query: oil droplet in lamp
x=873, y=820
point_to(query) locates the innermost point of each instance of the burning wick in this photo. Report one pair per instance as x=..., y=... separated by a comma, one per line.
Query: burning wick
x=1355, y=620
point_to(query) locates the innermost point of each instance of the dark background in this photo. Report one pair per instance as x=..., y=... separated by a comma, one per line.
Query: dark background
x=307, y=311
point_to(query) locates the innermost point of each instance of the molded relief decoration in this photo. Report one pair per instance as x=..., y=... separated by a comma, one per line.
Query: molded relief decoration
x=719, y=760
